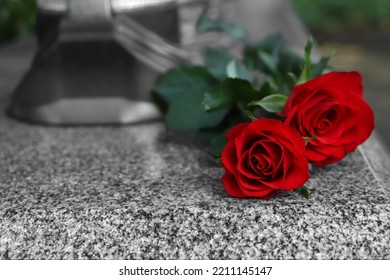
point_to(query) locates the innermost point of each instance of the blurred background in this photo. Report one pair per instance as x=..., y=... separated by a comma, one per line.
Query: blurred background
x=359, y=30
x=17, y=18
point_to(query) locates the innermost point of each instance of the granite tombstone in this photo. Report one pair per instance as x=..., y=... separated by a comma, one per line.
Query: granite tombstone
x=139, y=192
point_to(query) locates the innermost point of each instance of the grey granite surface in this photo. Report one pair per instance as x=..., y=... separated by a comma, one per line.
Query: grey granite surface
x=139, y=192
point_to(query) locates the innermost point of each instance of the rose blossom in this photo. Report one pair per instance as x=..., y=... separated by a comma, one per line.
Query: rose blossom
x=332, y=108
x=262, y=157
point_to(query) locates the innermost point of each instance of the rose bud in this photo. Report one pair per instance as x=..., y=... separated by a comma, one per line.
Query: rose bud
x=330, y=107
x=262, y=157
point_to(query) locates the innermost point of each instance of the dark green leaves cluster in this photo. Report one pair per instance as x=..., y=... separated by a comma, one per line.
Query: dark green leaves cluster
x=183, y=89
x=226, y=90
x=17, y=18
x=207, y=24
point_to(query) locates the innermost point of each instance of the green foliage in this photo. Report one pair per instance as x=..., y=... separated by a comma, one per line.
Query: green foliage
x=272, y=58
x=210, y=99
x=186, y=112
x=206, y=24
x=183, y=79
x=236, y=69
x=217, y=60
x=213, y=139
x=183, y=89
x=228, y=93
x=273, y=103
x=264, y=55
x=329, y=16
x=202, y=96
x=17, y=17
x=307, y=69
x=304, y=192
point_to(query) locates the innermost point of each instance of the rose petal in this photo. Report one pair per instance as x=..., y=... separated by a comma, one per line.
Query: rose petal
x=268, y=151
x=330, y=107
x=323, y=155
x=270, y=195
x=347, y=82
x=229, y=157
x=236, y=131
x=294, y=138
x=256, y=131
x=266, y=156
x=313, y=155
x=352, y=81
x=298, y=173
x=231, y=186
x=243, y=168
x=253, y=188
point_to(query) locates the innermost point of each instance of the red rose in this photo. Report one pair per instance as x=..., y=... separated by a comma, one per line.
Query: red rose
x=262, y=157
x=332, y=108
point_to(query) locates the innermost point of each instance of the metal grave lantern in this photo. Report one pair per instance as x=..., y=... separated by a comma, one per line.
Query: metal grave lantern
x=97, y=61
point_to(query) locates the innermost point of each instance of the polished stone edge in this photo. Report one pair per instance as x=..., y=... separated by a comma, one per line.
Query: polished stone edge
x=377, y=157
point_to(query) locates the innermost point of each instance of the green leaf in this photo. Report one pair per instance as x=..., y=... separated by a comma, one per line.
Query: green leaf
x=264, y=55
x=237, y=70
x=268, y=88
x=269, y=63
x=273, y=103
x=186, y=113
x=216, y=60
x=218, y=143
x=206, y=24
x=307, y=139
x=183, y=88
x=271, y=43
x=307, y=69
x=206, y=150
x=291, y=62
x=304, y=192
x=228, y=93
x=234, y=31
x=250, y=115
x=183, y=79
x=250, y=58
x=293, y=77
x=214, y=138
x=320, y=66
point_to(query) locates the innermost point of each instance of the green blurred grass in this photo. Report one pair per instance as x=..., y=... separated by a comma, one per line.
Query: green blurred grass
x=338, y=16
x=17, y=17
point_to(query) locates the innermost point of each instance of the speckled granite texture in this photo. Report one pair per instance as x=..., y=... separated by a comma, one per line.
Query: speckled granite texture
x=138, y=192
